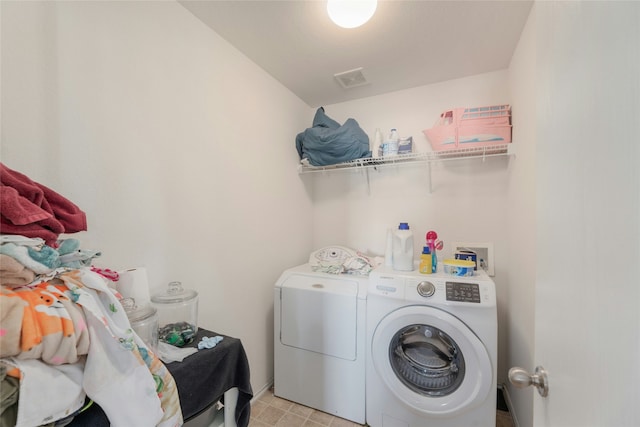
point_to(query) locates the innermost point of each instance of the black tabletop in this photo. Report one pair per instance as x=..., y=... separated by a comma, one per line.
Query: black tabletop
x=202, y=379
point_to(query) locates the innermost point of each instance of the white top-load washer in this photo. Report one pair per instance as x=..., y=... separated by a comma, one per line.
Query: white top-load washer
x=432, y=342
x=319, y=341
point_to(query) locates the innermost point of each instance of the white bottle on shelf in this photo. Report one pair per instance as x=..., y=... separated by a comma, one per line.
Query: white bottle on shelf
x=390, y=146
x=376, y=151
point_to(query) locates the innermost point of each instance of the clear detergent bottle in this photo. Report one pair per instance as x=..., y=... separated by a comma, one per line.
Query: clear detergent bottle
x=390, y=146
x=403, y=248
x=388, y=253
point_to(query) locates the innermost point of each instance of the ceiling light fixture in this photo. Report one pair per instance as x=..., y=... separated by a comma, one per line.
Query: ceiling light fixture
x=351, y=13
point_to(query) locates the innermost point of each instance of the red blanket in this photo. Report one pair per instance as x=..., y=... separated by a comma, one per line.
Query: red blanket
x=33, y=210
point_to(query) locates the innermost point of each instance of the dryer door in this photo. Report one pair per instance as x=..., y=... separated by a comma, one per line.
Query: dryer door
x=320, y=314
x=431, y=360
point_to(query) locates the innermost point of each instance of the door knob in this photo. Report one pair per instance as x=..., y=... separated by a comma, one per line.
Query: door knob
x=521, y=379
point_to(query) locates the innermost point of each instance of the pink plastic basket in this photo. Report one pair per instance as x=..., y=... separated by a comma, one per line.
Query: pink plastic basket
x=471, y=127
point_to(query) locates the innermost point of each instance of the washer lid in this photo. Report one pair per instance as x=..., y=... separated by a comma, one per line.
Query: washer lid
x=321, y=283
x=439, y=376
x=305, y=270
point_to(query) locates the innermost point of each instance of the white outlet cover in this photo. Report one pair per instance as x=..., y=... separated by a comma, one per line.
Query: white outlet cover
x=479, y=245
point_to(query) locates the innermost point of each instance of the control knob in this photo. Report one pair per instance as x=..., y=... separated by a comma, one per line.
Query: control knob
x=426, y=289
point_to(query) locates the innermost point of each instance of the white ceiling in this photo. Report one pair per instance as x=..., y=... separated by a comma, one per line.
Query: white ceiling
x=406, y=43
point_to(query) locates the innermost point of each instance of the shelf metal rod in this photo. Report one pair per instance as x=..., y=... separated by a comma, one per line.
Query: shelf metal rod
x=402, y=159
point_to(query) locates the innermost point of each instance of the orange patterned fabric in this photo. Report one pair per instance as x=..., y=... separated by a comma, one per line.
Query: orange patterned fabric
x=41, y=322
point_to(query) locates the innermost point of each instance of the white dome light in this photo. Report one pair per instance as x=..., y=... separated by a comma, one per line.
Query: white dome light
x=351, y=13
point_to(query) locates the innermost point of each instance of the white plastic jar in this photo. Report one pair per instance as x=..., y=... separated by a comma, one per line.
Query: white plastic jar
x=403, y=248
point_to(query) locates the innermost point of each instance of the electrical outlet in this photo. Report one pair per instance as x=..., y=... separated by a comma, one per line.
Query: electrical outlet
x=484, y=252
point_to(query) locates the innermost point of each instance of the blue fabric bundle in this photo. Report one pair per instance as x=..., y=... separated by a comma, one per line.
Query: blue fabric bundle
x=328, y=143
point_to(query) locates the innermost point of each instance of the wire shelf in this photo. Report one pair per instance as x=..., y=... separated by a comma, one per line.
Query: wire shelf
x=401, y=159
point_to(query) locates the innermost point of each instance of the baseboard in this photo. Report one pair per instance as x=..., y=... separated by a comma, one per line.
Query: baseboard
x=262, y=391
x=507, y=400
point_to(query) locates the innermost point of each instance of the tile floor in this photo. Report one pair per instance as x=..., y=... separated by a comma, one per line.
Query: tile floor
x=270, y=411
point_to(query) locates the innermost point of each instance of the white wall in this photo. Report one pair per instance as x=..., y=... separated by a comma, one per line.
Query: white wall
x=179, y=149
x=469, y=198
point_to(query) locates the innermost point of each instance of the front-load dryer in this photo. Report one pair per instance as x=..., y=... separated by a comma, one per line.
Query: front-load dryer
x=432, y=342
x=319, y=341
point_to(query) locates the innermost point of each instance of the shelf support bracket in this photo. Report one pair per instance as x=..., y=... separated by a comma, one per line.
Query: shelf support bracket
x=368, y=182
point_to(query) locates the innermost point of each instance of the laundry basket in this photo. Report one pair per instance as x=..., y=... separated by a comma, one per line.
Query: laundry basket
x=461, y=128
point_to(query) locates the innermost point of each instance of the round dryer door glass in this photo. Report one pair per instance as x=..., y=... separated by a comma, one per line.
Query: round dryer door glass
x=426, y=360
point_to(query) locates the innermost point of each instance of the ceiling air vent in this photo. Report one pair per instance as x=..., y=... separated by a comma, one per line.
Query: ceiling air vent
x=351, y=78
